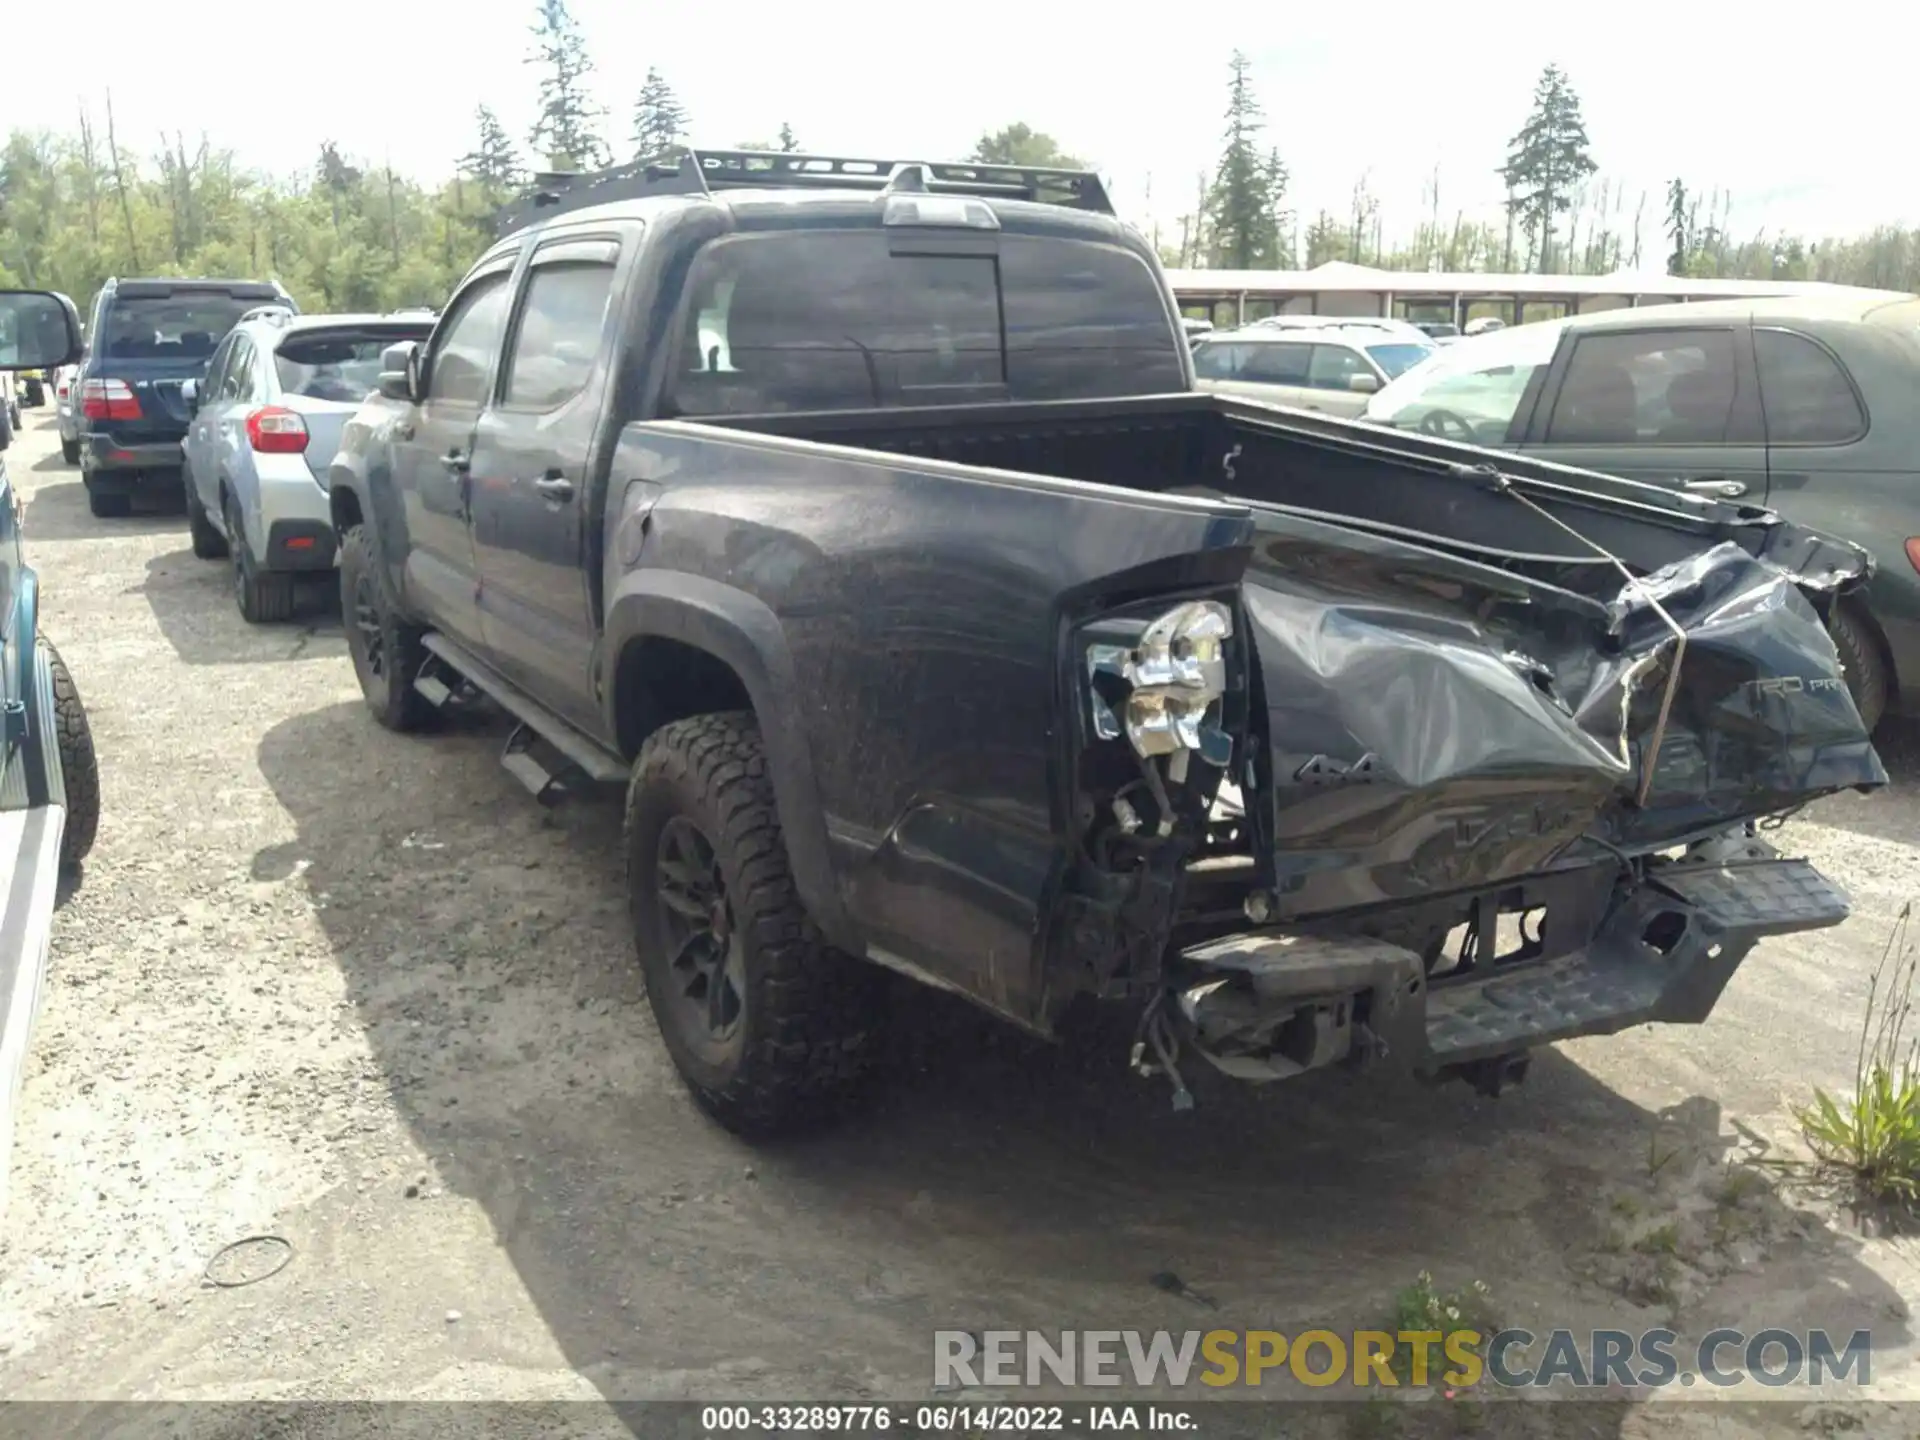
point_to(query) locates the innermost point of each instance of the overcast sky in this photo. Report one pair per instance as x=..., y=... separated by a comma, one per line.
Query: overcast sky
x=1802, y=113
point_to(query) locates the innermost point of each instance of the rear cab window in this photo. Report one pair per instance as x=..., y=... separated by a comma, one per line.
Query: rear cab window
x=841, y=319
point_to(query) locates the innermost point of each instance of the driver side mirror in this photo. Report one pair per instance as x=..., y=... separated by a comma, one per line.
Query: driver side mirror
x=39, y=329
x=190, y=393
x=400, y=372
x=1363, y=384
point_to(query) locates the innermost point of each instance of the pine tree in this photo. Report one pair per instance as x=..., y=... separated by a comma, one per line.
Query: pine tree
x=1243, y=205
x=659, y=119
x=565, y=131
x=1547, y=159
x=493, y=161
x=1681, y=210
x=787, y=143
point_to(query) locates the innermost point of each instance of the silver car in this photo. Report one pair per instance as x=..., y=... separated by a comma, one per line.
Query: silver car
x=1329, y=368
x=66, y=400
x=267, y=417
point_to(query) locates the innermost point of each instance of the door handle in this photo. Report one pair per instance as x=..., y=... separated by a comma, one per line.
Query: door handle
x=454, y=463
x=1719, y=486
x=554, y=487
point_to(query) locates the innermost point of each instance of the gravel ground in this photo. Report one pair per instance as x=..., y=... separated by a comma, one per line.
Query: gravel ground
x=356, y=991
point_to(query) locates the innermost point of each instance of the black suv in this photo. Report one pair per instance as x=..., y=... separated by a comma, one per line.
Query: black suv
x=149, y=338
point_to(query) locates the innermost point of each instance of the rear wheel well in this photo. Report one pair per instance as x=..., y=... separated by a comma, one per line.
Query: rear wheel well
x=659, y=681
x=345, y=506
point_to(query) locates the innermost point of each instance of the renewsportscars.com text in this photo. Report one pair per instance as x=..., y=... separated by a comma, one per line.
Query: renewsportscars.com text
x=1461, y=1359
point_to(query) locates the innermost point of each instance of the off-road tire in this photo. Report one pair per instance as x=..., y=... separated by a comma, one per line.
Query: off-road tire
x=264, y=596
x=108, y=504
x=78, y=764
x=1862, y=662
x=70, y=451
x=208, y=543
x=389, y=689
x=811, y=1015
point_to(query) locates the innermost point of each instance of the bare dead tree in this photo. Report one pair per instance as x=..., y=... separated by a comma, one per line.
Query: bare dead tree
x=120, y=184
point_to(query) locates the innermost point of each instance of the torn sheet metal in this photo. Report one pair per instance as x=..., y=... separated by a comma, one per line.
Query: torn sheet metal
x=1437, y=726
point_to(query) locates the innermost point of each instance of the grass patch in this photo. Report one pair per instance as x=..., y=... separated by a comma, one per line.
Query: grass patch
x=1874, y=1132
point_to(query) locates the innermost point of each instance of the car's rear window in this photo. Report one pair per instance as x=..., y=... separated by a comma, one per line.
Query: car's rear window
x=336, y=364
x=835, y=320
x=185, y=325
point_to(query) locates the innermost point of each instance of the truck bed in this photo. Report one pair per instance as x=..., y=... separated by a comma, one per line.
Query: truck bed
x=1447, y=649
x=1429, y=491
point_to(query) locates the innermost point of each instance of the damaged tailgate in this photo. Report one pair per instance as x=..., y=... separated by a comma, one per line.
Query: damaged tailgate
x=1490, y=811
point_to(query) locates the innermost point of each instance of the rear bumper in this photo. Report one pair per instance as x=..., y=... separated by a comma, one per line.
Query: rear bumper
x=1265, y=1007
x=295, y=524
x=107, y=458
x=298, y=545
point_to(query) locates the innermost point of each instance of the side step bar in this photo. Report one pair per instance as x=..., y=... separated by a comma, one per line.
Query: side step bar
x=575, y=749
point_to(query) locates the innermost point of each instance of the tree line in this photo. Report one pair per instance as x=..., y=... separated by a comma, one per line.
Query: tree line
x=1561, y=215
x=78, y=206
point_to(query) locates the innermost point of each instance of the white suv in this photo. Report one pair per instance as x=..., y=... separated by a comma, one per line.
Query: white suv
x=1329, y=368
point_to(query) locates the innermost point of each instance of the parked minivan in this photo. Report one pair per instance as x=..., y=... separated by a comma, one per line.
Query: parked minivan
x=1802, y=404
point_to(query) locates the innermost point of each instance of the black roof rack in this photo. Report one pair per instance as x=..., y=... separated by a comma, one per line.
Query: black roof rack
x=699, y=171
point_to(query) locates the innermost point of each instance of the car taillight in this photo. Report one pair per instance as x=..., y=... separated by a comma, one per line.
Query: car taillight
x=108, y=400
x=1913, y=552
x=272, y=430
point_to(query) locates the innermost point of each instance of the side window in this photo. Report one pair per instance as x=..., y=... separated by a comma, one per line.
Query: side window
x=561, y=322
x=1214, y=361
x=1333, y=366
x=238, y=383
x=1806, y=393
x=216, y=375
x=466, y=342
x=1277, y=364
x=1649, y=387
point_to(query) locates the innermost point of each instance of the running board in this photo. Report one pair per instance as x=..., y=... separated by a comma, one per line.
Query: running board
x=582, y=750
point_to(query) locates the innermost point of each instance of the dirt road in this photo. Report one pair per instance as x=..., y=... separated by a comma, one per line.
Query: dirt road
x=356, y=991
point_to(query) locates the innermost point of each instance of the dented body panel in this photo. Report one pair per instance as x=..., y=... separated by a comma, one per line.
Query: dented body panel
x=1419, y=722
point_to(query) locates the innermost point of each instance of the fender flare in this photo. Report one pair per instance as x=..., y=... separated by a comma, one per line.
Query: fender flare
x=350, y=482
x=31, y=727
x=742, y=632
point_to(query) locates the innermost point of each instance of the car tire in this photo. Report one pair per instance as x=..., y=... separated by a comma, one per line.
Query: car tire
x=1862, y=662
x=264, y=597
x=13, y=415
x=772, y=1029
x=78, y=763
x=70, y=451
x=208, y=543
x=109, y=504
x=387, y=651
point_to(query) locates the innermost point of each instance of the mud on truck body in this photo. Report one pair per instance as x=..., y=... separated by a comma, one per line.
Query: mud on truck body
x=877, y=544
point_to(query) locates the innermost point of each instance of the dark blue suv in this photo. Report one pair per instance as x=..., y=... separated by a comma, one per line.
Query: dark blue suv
x=149, y=337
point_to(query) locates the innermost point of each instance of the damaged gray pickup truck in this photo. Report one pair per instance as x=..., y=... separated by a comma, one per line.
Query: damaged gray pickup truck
x=859, y=519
